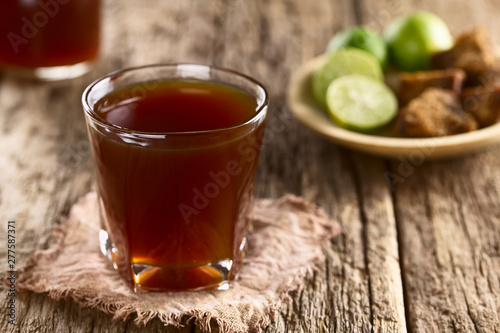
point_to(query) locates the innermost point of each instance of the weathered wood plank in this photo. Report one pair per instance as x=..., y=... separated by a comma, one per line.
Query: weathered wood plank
x=450, y=236
x=382, y=251
x=447, y=212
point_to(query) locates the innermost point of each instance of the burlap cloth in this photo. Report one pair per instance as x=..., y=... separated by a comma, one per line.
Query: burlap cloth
x=288, y=234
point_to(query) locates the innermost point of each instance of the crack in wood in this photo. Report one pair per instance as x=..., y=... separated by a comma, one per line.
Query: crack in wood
x=401, y=252
x=364, y=220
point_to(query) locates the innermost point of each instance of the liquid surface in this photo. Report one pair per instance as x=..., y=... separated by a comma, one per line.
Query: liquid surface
x=48, y=33
x=177, y=210
x=177, y=106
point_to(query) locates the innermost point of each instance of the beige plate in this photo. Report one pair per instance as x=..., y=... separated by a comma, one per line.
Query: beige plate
x=385, y=144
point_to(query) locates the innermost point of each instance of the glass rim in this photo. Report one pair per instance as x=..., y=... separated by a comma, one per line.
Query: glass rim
x=89, y=110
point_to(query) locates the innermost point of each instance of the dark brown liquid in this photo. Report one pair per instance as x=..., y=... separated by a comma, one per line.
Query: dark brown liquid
x=177, y=106
x=178, y=204
x=48, y=33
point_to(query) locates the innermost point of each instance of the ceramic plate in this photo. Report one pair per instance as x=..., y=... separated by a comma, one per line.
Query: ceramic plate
x=386, y=143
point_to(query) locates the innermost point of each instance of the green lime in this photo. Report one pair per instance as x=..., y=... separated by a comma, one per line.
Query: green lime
x=412, y=39
x=343, y=62
x=362, y=38
x=361, y=103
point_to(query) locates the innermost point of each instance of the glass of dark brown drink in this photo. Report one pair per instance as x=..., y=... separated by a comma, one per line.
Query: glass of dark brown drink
x=49, y=39
x=175, y=150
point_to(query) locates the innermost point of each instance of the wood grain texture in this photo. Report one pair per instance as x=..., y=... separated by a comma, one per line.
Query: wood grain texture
x=442, y=220
x=450, y=234
x=448, y=212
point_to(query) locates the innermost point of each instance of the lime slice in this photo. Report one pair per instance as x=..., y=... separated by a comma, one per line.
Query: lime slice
x=361, y=103
x=344, y=62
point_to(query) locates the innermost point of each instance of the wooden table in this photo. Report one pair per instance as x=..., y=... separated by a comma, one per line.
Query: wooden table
x=424, y=257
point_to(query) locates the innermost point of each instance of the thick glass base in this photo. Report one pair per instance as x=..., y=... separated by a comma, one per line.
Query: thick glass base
x=55, y=73
x=149, y=278
x=214, y=276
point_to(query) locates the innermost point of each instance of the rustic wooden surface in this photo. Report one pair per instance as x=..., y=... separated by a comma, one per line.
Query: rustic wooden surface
x=423, y=256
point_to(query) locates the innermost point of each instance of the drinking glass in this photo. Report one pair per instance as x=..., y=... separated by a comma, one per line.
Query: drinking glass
x=174, y=205
x=49, y=39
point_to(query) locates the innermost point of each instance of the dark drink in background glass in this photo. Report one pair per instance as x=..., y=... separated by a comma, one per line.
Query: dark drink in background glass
x=175, y=156
x=51, y=39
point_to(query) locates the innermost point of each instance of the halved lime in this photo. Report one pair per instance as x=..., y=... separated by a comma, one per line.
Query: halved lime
x=343, y=62
x=361, y=103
